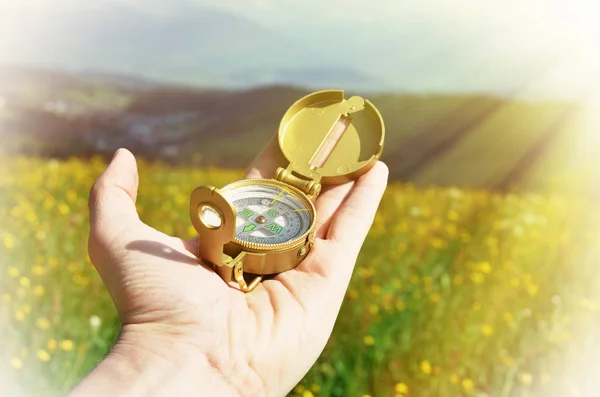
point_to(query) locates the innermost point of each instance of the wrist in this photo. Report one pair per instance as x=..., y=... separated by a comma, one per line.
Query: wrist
x=147, y=361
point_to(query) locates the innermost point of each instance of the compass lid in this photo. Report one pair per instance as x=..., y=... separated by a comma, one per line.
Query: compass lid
x=332, y=139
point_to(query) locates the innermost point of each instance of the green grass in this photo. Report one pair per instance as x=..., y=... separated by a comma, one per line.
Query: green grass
x=456, y=292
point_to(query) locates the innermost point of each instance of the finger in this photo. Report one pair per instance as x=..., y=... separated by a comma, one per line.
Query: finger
x=112, y=199
x=355, y=216
x=327, y=204
x=267, y=161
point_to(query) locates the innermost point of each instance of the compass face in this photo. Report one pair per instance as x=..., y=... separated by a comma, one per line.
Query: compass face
x=268, y=215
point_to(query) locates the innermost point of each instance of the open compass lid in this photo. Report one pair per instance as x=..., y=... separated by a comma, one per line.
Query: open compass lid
x=332, y=139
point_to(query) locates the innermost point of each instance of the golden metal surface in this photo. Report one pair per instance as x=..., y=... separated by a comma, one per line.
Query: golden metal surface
x=212, y=239
x=326, y=139
x=238, y=272
x=307, y=124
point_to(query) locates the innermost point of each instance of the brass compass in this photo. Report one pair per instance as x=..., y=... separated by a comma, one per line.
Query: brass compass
x=253, y=228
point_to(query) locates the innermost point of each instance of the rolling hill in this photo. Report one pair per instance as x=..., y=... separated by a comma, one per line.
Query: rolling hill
x=464, y=140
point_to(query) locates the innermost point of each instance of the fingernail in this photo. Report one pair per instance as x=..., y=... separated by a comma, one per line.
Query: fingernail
x=115, y=155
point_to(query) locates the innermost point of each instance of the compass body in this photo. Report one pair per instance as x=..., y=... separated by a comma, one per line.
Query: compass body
x=255, y=228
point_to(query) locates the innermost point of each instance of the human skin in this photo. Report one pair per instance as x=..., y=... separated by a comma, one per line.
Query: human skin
x=187, y=333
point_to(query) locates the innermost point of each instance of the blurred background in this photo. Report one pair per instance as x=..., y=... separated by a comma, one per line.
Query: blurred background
x=479, y=275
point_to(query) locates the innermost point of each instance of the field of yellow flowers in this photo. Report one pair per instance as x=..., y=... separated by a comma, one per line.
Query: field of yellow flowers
x=456, y=293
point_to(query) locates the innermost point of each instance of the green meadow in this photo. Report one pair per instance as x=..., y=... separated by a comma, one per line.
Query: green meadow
x=457, y=292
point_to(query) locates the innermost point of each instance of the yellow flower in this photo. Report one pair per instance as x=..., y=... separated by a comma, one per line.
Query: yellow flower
x=48, y=203
x=307, y=393
x=454, y=378
x=316, y=387
x=19, y=315
x=13, y=272
x=532, y=289
x=9, y=241
x=507, y=360
x=487, y=330
x=42, y=323
x=66, y=345
x=38, y=290
x=38, y=270
x=51, y=344
x=453, y=215
x=451, y=229
x=485, y=267
x=401, y=388
x=64, y=209
x=509, y=319
x=468, y=385
x=477, y=278
x=375, y=289
x=369, y=340
x=426, y=367
x=434, y=297
x=43, y=356
x=515, y=282
x=16, y=363
x=526, y=378
x=373, y=309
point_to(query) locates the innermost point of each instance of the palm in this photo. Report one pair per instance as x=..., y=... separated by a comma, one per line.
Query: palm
x=271, y=335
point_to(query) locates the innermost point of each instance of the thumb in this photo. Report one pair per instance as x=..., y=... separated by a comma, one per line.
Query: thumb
x=112, y=199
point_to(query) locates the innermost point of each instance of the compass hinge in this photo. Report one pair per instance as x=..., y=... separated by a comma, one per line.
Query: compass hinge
x=308, y=186
x=232, y=269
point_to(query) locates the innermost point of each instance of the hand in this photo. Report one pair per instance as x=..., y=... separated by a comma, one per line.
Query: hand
x=186, y=332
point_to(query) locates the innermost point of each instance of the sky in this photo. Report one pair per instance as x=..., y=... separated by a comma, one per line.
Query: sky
x=533, y=47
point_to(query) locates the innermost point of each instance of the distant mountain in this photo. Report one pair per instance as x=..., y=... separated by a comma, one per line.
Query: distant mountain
x=192, y=45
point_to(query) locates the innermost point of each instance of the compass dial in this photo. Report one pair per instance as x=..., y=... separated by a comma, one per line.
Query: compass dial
x=268, y=215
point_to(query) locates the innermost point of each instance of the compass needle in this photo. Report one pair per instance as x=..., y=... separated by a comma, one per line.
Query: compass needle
x=278, y=196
